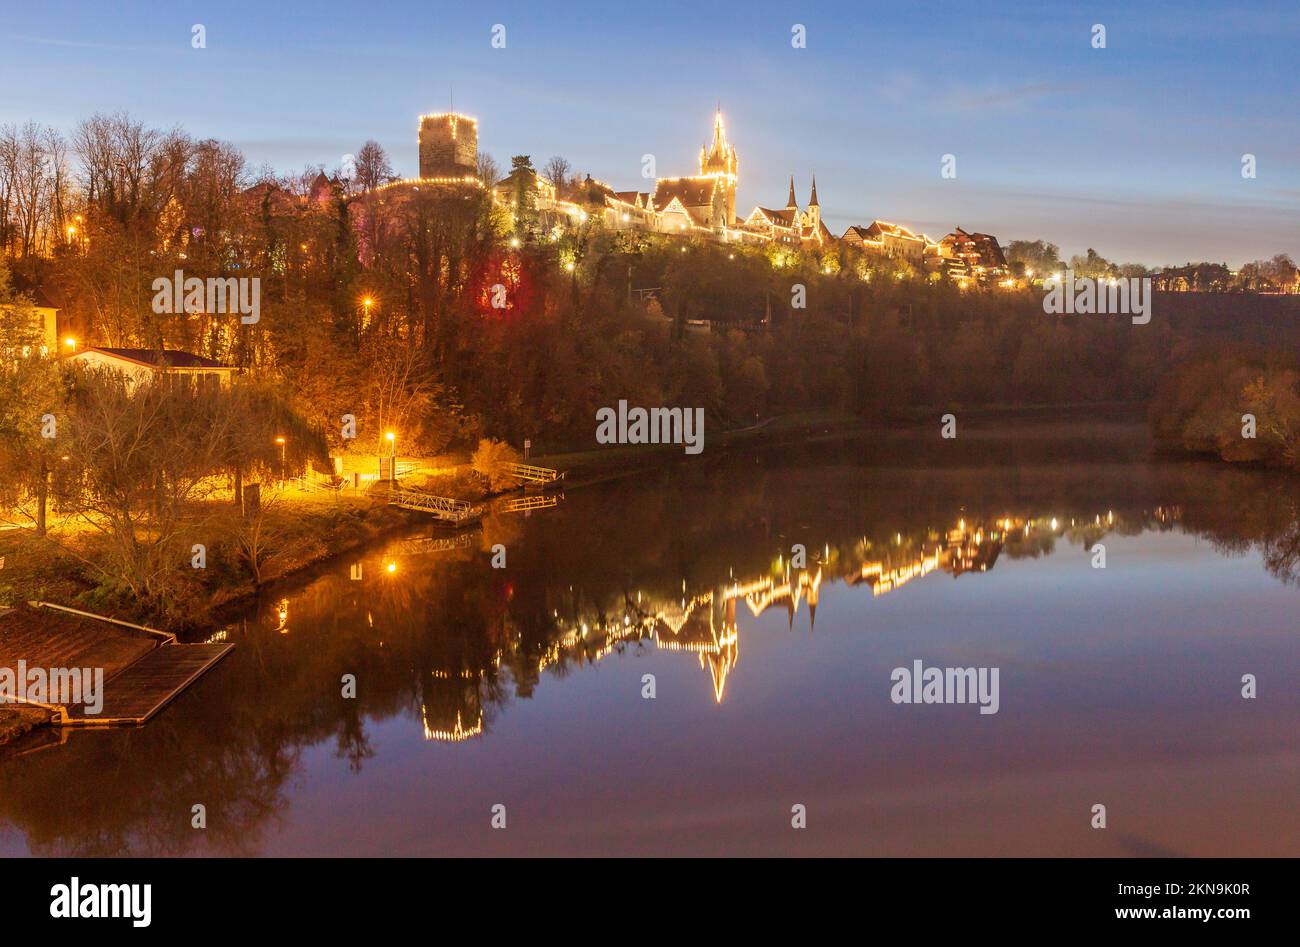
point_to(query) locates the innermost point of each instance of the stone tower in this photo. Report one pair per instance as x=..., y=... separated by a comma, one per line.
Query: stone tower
x=448, y=146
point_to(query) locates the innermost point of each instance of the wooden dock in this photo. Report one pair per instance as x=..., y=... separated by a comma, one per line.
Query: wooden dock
x=144, y=669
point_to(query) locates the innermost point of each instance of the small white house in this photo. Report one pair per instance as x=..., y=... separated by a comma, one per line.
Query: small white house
x=140, y=364
x=47, y=317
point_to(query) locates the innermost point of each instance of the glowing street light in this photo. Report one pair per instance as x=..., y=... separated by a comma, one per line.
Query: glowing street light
x=71, y=343
x=281, y=442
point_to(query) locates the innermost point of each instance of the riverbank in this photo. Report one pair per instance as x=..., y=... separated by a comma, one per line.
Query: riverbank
x=17, y=721
x=612, y=462
x=305, y=530
x=66, y=567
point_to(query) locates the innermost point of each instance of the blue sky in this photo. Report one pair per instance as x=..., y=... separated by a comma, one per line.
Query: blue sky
x=1134, y=150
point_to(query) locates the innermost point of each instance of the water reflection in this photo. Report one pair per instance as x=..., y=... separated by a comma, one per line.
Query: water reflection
x=688, y=566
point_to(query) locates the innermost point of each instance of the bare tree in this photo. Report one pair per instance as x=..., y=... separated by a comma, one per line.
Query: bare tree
x=489, y=172
x=373, y=166
x=557, y=171
x=140, y=455
x=8, y=178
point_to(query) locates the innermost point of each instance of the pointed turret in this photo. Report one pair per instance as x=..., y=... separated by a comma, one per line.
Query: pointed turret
x=791, y=203
x=812, y=202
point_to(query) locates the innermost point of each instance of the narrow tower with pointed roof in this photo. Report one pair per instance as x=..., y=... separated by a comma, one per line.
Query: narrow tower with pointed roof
x=719, y=161
x=814, y=209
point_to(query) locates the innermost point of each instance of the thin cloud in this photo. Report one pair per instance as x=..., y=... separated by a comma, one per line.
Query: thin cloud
x=85, y=44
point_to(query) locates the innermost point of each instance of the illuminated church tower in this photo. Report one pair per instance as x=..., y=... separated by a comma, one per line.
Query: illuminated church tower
x=720, y=161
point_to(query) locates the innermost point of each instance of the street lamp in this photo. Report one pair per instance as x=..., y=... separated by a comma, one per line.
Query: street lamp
x=280, y=441
x=71, y=343
x=392, y=454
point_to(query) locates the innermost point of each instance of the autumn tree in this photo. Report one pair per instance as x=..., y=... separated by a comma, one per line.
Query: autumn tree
x=33, y=417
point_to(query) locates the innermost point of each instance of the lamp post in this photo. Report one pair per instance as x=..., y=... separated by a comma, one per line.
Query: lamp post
x=280, y=441
x=392, y=454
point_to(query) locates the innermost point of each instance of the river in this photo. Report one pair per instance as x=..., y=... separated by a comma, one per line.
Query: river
x=522, y=694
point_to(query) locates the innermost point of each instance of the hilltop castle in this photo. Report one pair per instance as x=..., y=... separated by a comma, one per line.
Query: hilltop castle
x=699, y=205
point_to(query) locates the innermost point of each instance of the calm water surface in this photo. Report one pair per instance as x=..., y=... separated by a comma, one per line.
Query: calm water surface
x=523, y=686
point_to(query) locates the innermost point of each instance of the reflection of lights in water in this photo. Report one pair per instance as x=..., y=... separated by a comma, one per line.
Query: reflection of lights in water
x=282, y=612
x=456, y=734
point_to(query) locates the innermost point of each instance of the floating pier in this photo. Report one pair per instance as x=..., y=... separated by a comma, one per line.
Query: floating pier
x=144, y=669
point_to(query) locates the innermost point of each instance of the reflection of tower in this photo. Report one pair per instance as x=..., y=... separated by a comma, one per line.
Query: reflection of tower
x=448, y=146
x=707, y=630
x=720, y=161
x=451, y=707
x=972, y=549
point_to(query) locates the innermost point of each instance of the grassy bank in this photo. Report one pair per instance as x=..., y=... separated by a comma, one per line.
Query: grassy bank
x=70, y=566
x=18, y=721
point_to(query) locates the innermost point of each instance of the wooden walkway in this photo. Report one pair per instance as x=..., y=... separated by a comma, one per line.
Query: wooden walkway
x=150, y=684
x=47, y=639
x=144, y=669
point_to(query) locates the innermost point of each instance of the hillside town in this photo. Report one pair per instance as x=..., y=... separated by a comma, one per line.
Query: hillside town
x=702, y=205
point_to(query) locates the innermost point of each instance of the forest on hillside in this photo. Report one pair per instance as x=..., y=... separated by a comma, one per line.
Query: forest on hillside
x=434, y=312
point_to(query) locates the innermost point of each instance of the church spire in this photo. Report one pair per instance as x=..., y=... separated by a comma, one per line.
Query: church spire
x=813, y=200
x=791, y=202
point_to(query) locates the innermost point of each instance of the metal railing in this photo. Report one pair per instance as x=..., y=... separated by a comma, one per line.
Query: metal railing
x=538, y=474
x=538, y=502
x=444, y=508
